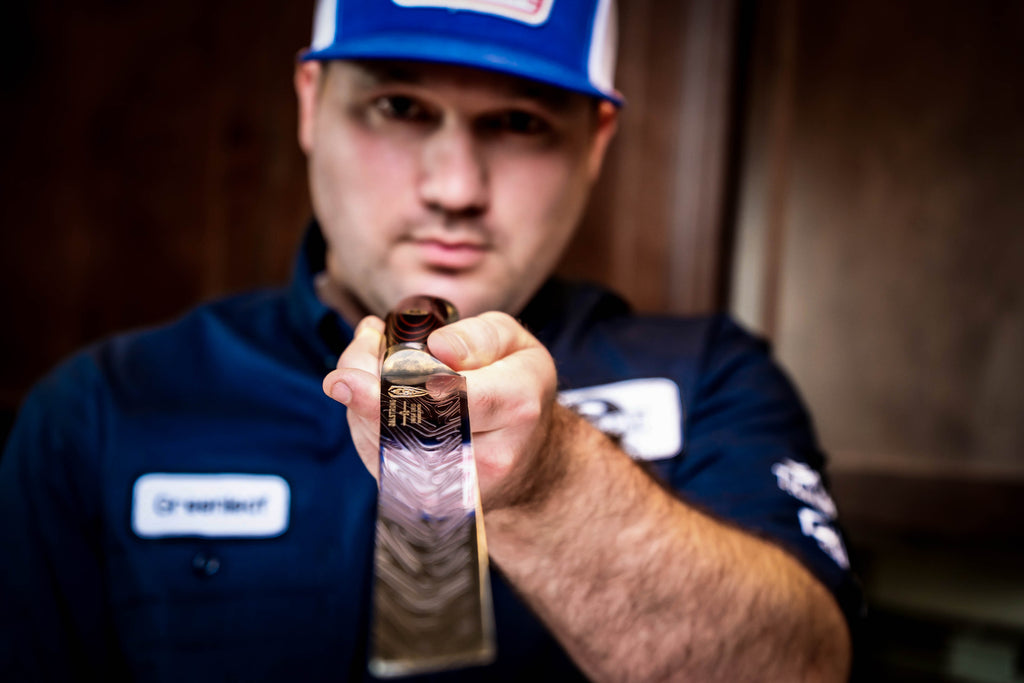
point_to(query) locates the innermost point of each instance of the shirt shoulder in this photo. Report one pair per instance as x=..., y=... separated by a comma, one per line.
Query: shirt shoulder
x=183, y=366
x=595, y=337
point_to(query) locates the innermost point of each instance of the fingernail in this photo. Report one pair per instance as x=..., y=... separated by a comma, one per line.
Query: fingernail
x=341, y=393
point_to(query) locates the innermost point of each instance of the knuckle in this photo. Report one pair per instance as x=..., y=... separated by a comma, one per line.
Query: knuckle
x=527, y=410
x=501, y=330
x=481, y=333
x=488, y=403
x=498, y=318
x=494, y=320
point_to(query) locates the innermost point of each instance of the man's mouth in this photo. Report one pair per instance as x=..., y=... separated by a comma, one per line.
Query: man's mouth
x=450, y=254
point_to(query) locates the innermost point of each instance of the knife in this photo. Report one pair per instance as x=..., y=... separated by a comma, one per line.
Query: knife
x=432, y=598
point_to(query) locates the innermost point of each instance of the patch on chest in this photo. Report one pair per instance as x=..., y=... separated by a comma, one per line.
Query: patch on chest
x=166, y=505
x=644, y=415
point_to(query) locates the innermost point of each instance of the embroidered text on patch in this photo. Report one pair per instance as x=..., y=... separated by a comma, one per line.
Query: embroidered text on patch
x=228, y=505
x=533, y=12
x=803, y=483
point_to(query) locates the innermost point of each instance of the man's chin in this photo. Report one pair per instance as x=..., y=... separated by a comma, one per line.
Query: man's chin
x=468, y=300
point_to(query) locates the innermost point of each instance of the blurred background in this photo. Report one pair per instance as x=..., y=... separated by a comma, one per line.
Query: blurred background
x=845, y=177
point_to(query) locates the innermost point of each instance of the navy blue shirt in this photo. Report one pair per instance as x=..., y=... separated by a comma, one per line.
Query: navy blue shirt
x=89, y=585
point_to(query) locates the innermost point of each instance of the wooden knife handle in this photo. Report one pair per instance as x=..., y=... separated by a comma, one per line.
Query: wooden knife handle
x=415, y=317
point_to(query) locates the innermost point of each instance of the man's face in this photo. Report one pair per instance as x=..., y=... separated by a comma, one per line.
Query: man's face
x=443, y=180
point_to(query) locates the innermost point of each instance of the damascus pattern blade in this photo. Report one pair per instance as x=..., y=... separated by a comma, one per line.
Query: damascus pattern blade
x=432, y=605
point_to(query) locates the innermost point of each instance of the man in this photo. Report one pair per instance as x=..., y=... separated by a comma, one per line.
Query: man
x=186, y=503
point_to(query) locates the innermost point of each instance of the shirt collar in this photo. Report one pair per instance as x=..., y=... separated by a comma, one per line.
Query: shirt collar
x=311, y=316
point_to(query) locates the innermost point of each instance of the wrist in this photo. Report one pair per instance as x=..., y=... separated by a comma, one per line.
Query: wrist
x=551, y=490
x=530, y=487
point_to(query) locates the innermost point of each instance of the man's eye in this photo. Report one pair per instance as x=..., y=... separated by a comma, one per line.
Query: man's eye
x=518, y=122
x=401, y=108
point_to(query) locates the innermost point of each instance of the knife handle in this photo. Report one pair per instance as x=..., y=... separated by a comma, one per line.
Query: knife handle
x=415, y=317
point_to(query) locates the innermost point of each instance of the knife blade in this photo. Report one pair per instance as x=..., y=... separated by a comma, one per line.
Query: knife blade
x=432, y=598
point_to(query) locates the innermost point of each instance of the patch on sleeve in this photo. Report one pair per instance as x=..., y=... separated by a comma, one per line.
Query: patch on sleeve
x=816, y=521
x=804, y=483
x=210, y=505
x=819, y=527
x=644, y=415
x=533, y=12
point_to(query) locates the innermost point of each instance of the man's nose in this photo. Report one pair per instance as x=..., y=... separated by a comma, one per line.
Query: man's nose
x=454, y=171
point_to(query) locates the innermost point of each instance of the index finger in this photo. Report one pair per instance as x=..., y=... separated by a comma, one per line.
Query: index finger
x=363, y=352
x=359, y=365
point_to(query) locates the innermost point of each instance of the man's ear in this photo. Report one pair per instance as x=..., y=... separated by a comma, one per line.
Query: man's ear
x=607, y=122
x=307, y=90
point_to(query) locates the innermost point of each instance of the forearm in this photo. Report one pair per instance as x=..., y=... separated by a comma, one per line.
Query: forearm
x=638, y=585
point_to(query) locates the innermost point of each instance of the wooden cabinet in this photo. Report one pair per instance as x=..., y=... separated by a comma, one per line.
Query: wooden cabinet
x=880, y=232
x=149, y=163
x=655, y=230
x=879, y=243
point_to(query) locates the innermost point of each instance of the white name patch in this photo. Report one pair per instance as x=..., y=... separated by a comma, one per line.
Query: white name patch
x=646, y=415
x=533, y=12
x=210, y=505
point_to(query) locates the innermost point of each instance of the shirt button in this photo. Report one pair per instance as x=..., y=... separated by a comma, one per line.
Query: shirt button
x=204, y=564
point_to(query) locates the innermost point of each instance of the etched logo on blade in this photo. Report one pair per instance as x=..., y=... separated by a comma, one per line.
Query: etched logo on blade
x=406, y=392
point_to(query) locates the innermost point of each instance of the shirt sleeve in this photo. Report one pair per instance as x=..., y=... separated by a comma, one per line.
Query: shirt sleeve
x=752, y=458
x=54, y=624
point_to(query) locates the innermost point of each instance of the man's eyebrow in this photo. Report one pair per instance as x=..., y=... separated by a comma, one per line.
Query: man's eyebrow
x=375, y=72
x=549, y=96
x=386, y=72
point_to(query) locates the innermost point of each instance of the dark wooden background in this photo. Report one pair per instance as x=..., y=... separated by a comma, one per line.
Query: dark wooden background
x=149, y=163
x=843, y=176
x=878, y=240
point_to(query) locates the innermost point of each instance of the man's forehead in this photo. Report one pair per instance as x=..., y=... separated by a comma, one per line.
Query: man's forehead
x=381, y=72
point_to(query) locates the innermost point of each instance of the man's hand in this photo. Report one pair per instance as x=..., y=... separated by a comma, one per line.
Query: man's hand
x=511, y=390
x=635, y=583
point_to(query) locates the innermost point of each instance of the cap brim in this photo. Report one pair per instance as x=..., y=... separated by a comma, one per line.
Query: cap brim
x=447, y=50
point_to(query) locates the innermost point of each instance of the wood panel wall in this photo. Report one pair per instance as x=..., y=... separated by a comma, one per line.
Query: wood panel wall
x=656, y=228
x=149, y=163
x=881, y=227
x=880, y=245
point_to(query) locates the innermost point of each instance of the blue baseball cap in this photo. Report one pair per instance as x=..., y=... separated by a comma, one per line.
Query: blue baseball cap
x=567, y=43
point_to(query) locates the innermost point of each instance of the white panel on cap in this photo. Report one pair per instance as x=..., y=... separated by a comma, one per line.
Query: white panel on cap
x=534, y=12
x=324, y=24
x=603, y=40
